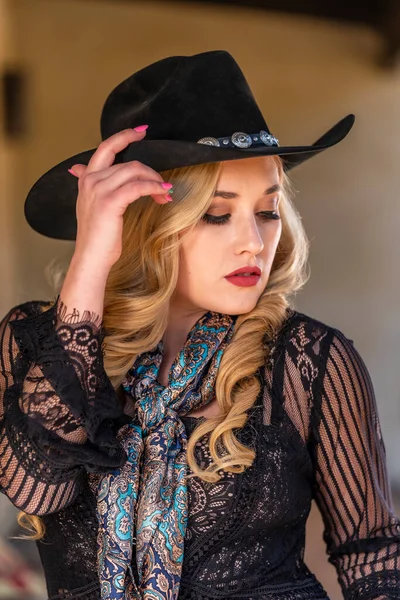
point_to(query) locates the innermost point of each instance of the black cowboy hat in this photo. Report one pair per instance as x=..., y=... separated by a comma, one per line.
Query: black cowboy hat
x=199, y=108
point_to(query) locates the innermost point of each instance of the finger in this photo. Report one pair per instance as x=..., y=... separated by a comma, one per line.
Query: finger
x=77, y=170
x=123, y=174
x=128, y=193
x=108, y=149
x=164, y=199
x=127, y=171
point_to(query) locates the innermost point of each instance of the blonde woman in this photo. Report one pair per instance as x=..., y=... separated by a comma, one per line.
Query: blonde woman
x=168, y=418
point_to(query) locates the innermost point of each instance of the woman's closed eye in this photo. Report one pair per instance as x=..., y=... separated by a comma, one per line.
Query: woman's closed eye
x=220, y=220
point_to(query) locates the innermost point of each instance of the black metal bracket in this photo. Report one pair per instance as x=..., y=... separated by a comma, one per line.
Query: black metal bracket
x=14, y=102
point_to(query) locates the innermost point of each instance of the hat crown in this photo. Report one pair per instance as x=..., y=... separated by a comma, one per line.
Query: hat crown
x=184, y=98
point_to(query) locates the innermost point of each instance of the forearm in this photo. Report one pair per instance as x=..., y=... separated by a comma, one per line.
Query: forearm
x=59, y=412
x=83, y=288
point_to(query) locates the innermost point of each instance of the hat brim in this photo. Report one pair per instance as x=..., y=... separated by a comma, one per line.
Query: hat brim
x=50, y=203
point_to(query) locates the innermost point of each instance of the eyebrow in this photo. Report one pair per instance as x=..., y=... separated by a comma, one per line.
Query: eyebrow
x=271, y=190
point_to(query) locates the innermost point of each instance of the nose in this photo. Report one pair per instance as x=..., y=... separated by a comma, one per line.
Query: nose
x=248, y=237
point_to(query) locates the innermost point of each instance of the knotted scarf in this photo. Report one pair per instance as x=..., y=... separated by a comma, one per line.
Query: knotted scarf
x=143, y=504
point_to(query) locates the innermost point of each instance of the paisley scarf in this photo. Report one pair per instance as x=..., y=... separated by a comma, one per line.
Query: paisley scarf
x=143, y=504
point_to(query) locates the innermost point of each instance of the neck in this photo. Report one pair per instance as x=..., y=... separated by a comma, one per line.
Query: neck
x=180, y=322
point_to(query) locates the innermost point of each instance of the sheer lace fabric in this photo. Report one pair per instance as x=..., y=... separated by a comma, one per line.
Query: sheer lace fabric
x=314, y=427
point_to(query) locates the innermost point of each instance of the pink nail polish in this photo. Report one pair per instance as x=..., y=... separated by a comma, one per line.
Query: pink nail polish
x=141, y=128
x=168, y=197
x=166, y=186
x=72, y=172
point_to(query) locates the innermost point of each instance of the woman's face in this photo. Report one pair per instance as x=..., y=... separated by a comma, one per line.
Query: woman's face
x=240, y=229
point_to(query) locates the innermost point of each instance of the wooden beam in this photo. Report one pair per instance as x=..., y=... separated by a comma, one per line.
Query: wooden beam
x=391, y=32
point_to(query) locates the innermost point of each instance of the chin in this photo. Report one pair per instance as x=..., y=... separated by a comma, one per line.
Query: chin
x=230, y=307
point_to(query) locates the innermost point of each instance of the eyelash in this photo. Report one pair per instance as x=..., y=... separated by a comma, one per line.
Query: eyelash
x=266, y=214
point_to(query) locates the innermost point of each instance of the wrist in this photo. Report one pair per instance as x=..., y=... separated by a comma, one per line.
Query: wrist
x=85, y=264
x=84, y=285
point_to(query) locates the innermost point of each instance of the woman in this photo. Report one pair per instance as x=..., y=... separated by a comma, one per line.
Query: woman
x=167, y=420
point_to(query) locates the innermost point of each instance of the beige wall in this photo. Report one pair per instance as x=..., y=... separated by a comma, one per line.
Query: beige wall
x=306, y=75
x=8, y=152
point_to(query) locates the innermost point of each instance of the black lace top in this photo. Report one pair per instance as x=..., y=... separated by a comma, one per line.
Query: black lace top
x=314, y=428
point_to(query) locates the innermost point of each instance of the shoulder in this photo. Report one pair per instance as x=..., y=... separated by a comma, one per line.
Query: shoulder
x=15, y=327
x=26, y=310
x=304, y=336
x=298, y=323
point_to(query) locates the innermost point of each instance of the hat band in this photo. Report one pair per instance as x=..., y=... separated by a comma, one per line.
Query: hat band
x=239, y=139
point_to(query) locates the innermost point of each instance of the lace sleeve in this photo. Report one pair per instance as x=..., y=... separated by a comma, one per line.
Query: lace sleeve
x=352, y=491
x=59, y=413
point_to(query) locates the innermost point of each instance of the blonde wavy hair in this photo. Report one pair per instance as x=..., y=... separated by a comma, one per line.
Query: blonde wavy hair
x=142, y=282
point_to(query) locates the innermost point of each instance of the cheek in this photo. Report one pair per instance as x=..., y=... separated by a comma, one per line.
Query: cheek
x=198, y=252
x=271, y=241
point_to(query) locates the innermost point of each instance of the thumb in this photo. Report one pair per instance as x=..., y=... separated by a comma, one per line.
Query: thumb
x=77, y=170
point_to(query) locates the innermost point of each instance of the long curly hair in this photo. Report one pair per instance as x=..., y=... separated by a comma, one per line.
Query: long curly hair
x=142, y=282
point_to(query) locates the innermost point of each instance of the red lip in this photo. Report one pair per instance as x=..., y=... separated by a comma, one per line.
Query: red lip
x=253, y=270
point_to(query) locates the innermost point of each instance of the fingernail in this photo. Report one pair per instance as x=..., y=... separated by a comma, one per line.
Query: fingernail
x=166, y=186
x=141, y=128
x=72, y=172
x=168, y=197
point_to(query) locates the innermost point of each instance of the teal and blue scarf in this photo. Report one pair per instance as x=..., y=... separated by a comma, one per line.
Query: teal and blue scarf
x=143, y=504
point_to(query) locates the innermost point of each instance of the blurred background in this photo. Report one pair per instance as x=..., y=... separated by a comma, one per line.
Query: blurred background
x=309, y=63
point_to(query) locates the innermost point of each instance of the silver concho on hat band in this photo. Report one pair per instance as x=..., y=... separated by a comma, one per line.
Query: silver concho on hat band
x=268, y=139
x=242, y=140
x=209, y=141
